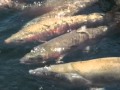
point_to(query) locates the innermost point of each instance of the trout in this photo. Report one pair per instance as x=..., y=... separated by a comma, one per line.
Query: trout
x=43, y=25
x=57, y=48
x=53, y=27
x=63, y=8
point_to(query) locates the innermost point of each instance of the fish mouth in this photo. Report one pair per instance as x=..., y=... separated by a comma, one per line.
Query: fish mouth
x=7, y=41
x=24, y=61
x=29, y=61
x=41, y=72
x=69, y=78
x=14, y=41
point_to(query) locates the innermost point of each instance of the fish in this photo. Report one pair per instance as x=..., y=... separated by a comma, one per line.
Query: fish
x=36, y=25
x=17, y=15
x=4, y=8
x=57, y=48
x=52, y=27
x=18, y=4
x=117, y=2
x=93, y=73
x=62, y=9
x=4, y=2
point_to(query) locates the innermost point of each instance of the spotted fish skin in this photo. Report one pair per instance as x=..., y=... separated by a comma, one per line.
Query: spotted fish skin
x=98, y=72
x=22, y=4
x=68, y=9
x=18, y=4
x=50, y=28
x=63, y=8
x=57, y=48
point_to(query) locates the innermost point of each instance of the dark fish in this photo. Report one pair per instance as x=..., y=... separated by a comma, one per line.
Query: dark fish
x=52, y=27
x=117, y=2
x=95, y=73
x=57, y=48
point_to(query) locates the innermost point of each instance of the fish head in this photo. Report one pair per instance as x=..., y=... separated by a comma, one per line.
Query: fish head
x=41, y=54
x=31, y=58
x=67, y=78
x=36, y=56
x=20, y=38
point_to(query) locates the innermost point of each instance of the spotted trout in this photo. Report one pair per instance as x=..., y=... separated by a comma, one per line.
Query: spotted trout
x=43, y=28
x=57, y=48
x=52, y=27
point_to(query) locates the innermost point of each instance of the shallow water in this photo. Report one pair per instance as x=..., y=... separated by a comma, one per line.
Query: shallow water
x=15, y=76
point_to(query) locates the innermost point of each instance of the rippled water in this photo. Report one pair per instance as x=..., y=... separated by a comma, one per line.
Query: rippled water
x=15, y=76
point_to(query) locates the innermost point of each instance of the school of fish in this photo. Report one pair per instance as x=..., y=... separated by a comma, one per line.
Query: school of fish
x=62, y=29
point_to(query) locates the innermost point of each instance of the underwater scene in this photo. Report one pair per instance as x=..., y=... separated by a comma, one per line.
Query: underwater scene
x=59, y=44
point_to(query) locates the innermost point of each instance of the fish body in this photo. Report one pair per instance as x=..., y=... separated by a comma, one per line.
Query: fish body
x=63, y=8
x=52, y=27
x=117, y=2
x=4, y=2
x=98, y=72
x=57, y=48
x=38, y=26
x=19, y=14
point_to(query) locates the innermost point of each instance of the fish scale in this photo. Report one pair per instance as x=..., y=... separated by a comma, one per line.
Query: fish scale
x=47, y=26
x=57, y=48
x=37, y=25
